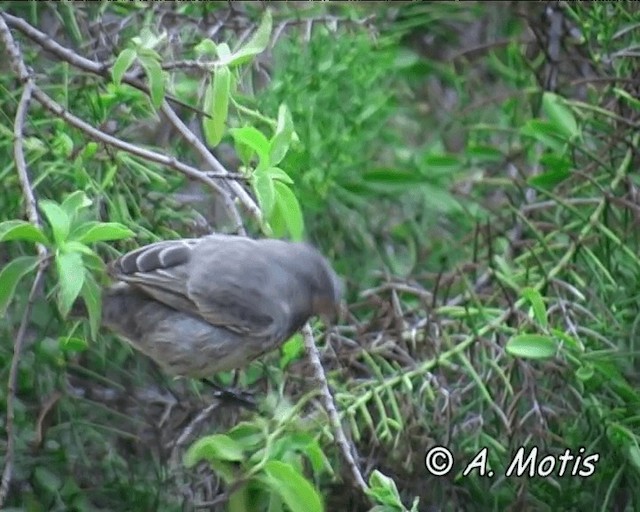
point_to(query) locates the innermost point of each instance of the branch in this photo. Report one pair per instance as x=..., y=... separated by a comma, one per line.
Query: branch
x=102, y=69
x=329, y=405
x=32, y=213
x=98, y=68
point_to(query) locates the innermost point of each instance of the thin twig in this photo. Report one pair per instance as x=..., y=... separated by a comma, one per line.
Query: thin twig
x=32, y=212
x=102, y=69
x=99, y=68
x=329, y=405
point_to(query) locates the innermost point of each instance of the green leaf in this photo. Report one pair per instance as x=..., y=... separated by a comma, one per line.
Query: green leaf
x=102, y=231
x=254, y=139
x=633, y=101
x=213, y=448
x=91, y=294
x=90, y=150
x=206, y=48
x=546, y=133
x=58, y=220
x=264, y=189
x=122, y=64
x=390, y=181
x=278, y=174
x=481, y=153
x=75, y=202
x=255, y=45
x=156, y=79
x=71, y=275
x=62, y=145
x=441, y=163
x=248, y=435
x=287, y=213
x=93, y=262
x=560, y=115
x=585, y=373
x=532, y=346
x=47, y=480
x=295, y=490
x=537, y=304
x=216, y=104
x=292, y=350
x=549, y=179
x=383, y=489
x=281, y=140
x=223, y=51
x=11, y=275
x=21, y=230
x=72, y=344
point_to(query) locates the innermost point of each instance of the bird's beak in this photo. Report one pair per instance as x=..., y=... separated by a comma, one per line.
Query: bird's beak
x=336, y=315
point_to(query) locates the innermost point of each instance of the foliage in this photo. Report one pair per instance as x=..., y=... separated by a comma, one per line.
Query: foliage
x=475, y=185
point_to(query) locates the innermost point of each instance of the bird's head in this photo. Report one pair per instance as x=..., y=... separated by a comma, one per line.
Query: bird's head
x=327, y=293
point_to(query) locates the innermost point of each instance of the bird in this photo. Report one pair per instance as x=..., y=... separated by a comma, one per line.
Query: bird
x=198, y=306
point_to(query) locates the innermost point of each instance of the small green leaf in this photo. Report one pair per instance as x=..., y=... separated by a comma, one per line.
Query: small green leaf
x=549, y=179
x=223, y=51
x=255, y=45
x=72, y=344
x=287, y=212
x=389, y=180
x=441, y=163
x=11, y=275
x=122, y=64
x=621, y=93
x=537, y=304
x=383, y=489
x=248, y=435
x=295, y=490
x=254, y=139
x=278, y=174
x=156, y=79
x=560, y=115
x=62, y=145
x=47, y=480
x=21, y=230
x=75, y=202
x=264, y=189
x=568, y=342
x=281, y=140
x=546, y=133
x=532, y=346
x=292, y=350
x=206, y=47
x=102, y=231
x=212, y=448
x=92, y=295
x=633, y=453
x=58, y=220
x=90, y=150
x=93, y=262
x=481, y=153
x=71, y=275
x=585, y=373
x=216, y=104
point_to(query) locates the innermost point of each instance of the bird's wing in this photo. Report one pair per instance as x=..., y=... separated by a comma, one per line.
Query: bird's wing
x=228, y=281
x=160, y=270
x=234, y=284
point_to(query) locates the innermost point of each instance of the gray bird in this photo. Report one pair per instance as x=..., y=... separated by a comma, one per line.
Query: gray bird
x=204, y=305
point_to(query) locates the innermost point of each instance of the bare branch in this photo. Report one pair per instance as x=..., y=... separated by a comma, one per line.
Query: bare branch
x=334, y=419
x=67, y=55
x=32, y=213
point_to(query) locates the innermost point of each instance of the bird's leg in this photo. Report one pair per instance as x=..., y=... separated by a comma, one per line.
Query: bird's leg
x=232, y=396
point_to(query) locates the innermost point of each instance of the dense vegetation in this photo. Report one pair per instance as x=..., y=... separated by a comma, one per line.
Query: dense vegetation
x=469, y=168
